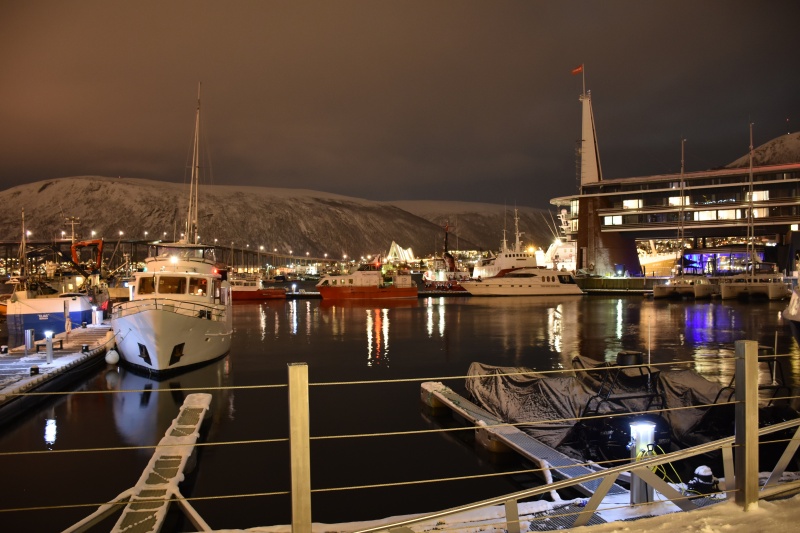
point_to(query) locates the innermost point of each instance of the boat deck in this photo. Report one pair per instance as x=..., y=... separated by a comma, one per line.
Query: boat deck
x=561, y=466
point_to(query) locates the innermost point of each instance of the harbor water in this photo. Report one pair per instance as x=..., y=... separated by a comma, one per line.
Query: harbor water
x=371, y=438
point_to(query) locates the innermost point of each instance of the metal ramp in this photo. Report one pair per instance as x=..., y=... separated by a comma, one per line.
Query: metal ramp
x=148, y=501
x=561, y=465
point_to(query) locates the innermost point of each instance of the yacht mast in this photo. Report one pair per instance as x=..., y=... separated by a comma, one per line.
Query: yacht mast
x=750, y=229
x=681, y=214
x=191, y=219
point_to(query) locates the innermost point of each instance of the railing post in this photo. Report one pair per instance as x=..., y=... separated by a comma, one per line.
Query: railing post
x=746, y=432
x=300, y=457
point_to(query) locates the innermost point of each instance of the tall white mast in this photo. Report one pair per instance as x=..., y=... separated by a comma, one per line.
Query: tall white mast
x=750, y=229
x=681, y=213
x=191, y=219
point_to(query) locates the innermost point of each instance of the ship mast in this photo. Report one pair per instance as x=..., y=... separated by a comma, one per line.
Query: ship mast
x=191, y=219
x=750, y=229
x=681, y=214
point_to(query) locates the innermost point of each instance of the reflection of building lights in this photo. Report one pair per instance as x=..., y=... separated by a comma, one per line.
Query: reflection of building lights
x=50, y=431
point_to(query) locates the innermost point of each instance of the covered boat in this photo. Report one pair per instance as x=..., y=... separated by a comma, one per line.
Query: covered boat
x=587, y=413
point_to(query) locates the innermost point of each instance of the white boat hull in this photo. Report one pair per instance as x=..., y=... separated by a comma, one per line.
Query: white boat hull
x=772, y=290
x=542, y=283
x=165, y=336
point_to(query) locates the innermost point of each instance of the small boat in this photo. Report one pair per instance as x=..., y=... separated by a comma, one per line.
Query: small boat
x=686, y=286
x=442, y=273
x=367, y=283
x=507, y=258
x=251, y=288
x=179, y=314
x=587, y=413
x=537, y=281
x=35, y=306
x=760, y=280
x=762, y=284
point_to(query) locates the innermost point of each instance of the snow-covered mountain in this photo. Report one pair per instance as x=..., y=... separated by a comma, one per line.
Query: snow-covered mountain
x=287, y=219
x=781, y=150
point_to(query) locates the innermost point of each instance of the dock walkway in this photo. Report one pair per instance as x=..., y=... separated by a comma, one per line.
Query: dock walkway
x=146, y=503
x=492, y=430
x=23, y=371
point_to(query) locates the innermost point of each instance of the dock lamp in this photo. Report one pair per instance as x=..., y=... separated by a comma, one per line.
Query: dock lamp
x=48, y=336
x=643, y=436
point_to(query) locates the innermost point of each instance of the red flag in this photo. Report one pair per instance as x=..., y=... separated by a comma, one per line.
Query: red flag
x=578, y=69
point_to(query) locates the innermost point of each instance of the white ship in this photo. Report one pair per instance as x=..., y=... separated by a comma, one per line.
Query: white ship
x=179, y=314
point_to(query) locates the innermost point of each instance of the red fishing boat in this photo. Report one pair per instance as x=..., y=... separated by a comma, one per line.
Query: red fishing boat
x=366, y=283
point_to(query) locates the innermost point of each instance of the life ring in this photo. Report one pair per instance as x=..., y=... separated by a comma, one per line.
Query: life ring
x=591, y=267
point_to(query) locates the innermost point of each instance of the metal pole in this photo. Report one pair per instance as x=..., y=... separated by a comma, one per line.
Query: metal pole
x=746, y=436
x=299, y=443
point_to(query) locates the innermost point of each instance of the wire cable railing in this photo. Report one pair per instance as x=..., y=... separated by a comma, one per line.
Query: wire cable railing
x=609, y=466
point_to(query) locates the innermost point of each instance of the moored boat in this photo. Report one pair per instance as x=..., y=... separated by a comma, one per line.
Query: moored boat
x=792, y=314
x=34, y=306
x=507, y=258
x=442, y=273
x=685, y=286
x=179, y=314
x=250, y=289
x=366, y=283
x=526, y=282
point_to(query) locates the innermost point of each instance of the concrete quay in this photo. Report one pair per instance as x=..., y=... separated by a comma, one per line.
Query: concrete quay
x=23, y=372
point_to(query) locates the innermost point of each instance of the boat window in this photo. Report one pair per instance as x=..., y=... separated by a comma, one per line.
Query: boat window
x=198, y=286
x=171, y=285
x=147, y=285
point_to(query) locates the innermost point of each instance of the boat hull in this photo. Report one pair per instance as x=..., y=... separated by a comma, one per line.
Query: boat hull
x=257, y=294
x=526, y=282
x=367, y=293
x=478, y=288
x=164, y=337
x=745, y=290
x=46, y=314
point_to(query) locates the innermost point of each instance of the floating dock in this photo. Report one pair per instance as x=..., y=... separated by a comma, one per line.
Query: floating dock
x=24, y=370
x=148, y=501
x=496, y=435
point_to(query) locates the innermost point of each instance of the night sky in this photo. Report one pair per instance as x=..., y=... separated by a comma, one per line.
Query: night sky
x=391, y=100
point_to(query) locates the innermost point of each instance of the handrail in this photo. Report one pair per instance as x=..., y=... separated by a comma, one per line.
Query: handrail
x=181, y=307
x=641, y=467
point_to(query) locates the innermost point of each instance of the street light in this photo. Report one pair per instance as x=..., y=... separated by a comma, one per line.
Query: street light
x=93, y=233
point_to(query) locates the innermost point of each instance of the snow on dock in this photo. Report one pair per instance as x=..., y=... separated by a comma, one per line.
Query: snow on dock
x=148, y=501
x=25, y=371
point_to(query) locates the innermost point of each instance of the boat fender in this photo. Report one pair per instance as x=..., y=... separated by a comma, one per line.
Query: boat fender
x=112, y=357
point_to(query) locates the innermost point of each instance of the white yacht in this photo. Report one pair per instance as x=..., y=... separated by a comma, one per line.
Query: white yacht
x=507, y=258
x=528, y=281
x=179, y=314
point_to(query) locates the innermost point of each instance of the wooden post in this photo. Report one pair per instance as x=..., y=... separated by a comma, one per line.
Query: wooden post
x=746, y=437
x=300, y=456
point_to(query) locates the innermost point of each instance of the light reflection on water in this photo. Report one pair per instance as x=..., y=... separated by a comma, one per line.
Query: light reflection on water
x=363, y=341
x=542, y=333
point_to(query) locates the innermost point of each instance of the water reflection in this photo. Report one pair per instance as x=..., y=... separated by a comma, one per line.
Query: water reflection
x=541, y=333
x=143, y=414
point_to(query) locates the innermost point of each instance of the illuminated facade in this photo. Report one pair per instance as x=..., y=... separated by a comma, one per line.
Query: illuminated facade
x=610, y=216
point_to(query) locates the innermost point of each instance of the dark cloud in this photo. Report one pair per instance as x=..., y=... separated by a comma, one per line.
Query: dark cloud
x=454, y=100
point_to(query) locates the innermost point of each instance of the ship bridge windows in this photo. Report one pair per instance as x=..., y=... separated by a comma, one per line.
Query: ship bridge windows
x=147, y=285
x=198, y=286
x=172, y=285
